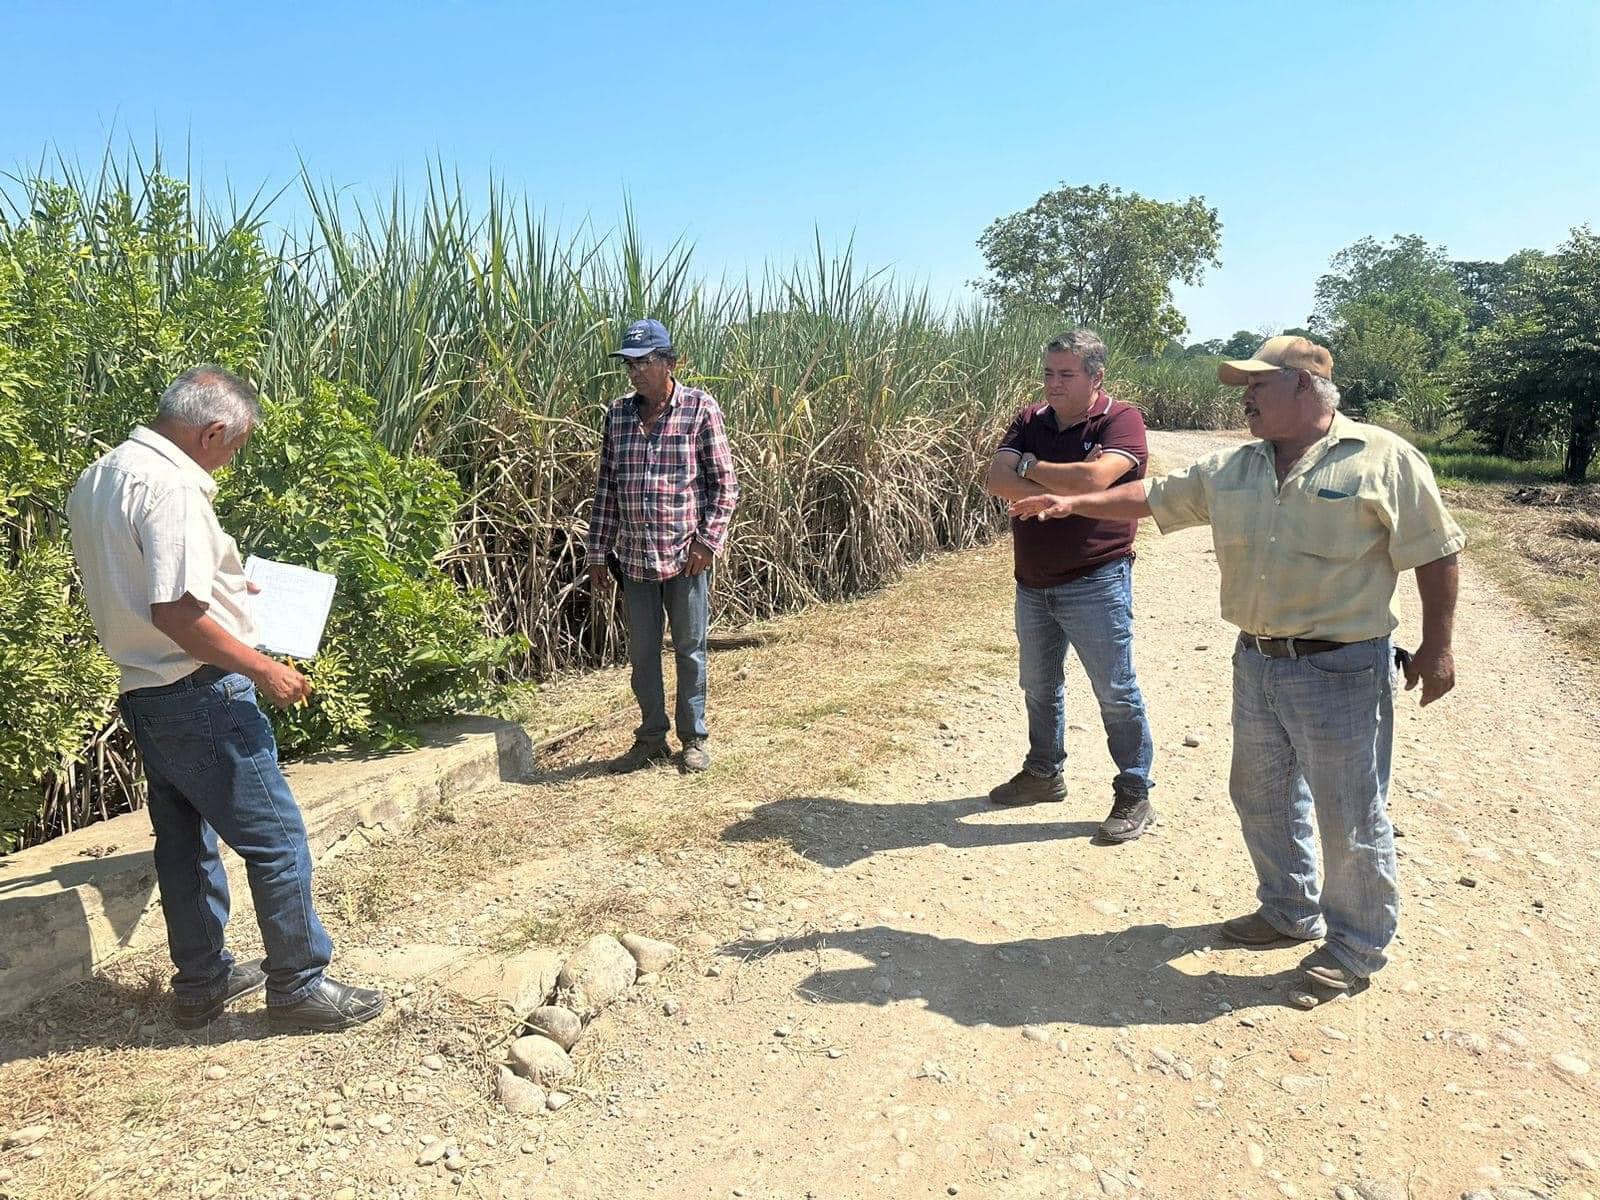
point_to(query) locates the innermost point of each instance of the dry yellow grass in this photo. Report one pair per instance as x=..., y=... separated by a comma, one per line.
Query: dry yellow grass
x=1544, y=549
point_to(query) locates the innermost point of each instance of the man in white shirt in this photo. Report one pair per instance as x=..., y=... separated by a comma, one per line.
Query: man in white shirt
x=169, y=599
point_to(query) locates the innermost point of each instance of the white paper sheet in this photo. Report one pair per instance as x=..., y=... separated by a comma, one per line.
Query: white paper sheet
x=291, y=609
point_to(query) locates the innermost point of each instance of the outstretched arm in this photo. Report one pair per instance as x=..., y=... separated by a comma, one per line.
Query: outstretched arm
x=1125, y=502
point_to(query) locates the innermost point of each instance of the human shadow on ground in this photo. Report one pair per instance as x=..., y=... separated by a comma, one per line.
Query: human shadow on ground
x=837, y=832
x=573, y=772
x=104, y=1013
x=1125, y=977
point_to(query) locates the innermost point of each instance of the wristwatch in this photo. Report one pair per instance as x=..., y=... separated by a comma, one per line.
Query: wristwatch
x=1026, y=464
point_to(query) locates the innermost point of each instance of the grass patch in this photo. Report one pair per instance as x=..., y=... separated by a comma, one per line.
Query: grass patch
x=612, y=911
x=1546, y=555
x=1456, y=459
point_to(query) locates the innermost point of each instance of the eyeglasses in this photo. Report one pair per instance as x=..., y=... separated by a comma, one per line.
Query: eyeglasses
x=637, y=364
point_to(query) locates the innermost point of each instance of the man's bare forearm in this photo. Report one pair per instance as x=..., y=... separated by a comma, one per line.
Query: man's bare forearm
x=1077, y=479
x=1125, y=502
x=1437, y=584
x=1003, y=483
x=202, y=639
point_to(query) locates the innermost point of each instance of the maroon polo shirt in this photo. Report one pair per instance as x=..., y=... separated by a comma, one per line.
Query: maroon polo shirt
x=1048, y=553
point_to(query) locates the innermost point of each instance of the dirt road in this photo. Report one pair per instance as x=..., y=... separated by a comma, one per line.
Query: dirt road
x=889, y=988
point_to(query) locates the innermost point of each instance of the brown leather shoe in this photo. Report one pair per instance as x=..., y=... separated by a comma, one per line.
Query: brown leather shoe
x=1256, y=930
x=1323, y=969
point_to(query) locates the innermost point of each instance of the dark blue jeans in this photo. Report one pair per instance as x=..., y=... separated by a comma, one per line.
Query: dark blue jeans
x=1093, y=615
x=684, y=601
x=212, y=766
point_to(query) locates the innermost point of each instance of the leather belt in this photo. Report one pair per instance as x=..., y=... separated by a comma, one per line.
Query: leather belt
x=205, y=676
x=1288, y=647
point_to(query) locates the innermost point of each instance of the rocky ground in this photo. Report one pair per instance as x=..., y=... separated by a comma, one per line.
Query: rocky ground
x=885, y=987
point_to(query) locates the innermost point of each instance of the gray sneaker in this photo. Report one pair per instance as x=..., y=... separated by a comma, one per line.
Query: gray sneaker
x=1130, y=817
x=1027, y=788
x=641, y=754
x=695, y=757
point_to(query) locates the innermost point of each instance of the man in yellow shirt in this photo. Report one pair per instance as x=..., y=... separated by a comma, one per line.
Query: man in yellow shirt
x=1313, y=525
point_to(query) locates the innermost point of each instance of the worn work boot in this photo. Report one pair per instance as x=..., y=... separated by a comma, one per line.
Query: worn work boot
x=244, y=979
x=1027, y=788
x=1323, y=969
x=641, y=754
x=1256, y=930
x=1130, y=817
x=695, y=756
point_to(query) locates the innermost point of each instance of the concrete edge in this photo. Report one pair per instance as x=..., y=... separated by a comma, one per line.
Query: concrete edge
x=75, y=903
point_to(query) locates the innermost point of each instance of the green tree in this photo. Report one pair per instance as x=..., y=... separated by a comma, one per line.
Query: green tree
x=1489, y=287
x=1533, y=375
x=1242, y=344
x=1367, y=269
x=1103, y=258
x=1395, y=318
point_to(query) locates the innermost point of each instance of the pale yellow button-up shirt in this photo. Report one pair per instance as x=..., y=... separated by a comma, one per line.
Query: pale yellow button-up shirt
x=1319, y=556
x=143, y=533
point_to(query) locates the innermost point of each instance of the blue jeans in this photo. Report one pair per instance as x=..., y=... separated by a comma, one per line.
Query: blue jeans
x=1316, y=733
x=1093, y=615
x=211, y=763
x=651, y=603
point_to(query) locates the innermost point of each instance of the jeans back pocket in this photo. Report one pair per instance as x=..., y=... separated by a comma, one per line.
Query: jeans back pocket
x=185, y=742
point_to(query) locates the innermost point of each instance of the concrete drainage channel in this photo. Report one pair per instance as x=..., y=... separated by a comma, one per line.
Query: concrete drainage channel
x=73, y=904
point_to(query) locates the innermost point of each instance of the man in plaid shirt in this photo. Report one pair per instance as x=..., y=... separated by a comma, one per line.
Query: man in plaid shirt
x=662, y=505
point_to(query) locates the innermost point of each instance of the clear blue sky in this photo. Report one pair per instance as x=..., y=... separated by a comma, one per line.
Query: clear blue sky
x=910, y=126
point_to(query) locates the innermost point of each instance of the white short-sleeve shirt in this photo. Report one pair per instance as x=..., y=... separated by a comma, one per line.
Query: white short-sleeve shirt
x=143, y=533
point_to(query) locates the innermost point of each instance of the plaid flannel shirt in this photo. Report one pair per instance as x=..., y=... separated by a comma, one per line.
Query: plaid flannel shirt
x=658, y=492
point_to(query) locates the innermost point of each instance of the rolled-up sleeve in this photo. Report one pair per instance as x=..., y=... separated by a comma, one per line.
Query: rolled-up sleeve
x=180, y=538
x=1180, y=500
x=1421, y=529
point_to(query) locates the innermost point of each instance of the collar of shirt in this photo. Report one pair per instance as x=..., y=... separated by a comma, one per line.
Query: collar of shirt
x=1098, y=407
x=169, y=450
x=1340, y=429
x=672, y=399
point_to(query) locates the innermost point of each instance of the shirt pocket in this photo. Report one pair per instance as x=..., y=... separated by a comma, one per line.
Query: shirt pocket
x=1339, y=527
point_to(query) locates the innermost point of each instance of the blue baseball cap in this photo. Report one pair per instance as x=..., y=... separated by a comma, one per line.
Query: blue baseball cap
x=643, y=337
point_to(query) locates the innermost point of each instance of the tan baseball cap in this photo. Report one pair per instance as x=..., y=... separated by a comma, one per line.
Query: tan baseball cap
x=1281, y=353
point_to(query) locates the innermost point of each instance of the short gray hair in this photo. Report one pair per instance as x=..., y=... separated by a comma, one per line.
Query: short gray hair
x=1085, y=344
x=207, y=393
x=1326, y=392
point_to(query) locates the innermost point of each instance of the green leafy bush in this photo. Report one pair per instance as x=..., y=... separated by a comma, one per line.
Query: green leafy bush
x=55, y=685
x=106, y=293
x=315, y=487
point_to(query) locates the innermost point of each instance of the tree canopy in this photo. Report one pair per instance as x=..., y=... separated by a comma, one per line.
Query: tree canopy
x=1533, y=373
x=1103, y=258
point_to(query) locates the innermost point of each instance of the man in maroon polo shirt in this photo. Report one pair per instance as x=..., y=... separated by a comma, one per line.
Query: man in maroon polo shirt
x=1075, y=579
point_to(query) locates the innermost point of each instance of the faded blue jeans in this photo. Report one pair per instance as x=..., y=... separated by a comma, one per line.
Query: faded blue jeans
x=211, y=763
x=1093, y=615
x=651, y=603
x=1316, y=734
